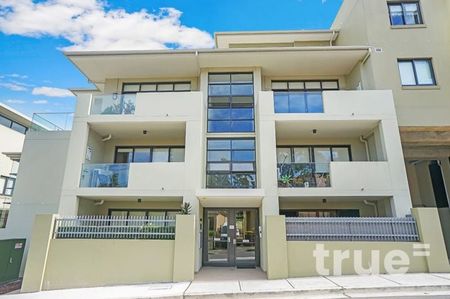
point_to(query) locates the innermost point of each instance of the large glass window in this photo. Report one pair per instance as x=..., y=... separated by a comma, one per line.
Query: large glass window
x=156, y=87
x=144, y=154
x=230, y=103
x=12, y=124
x=405, y=13
x=231, y=163
x=313, y=154
x=301, y=96
x=416, y=72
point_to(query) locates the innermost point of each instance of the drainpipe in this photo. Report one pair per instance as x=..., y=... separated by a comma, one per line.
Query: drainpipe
x=367, y=56
x=99, y=203
x=372, y=204
x=332, y=38
x=106, y=138
x=363, y=140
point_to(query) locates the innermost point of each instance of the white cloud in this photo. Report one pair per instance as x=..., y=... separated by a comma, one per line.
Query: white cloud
x=13, y=86
x=40, y=102
x=14, y=101
x=51, y=92
x=89, y=25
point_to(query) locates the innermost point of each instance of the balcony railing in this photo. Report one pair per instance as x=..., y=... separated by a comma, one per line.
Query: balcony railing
x=298, y=101
x=303, y=175
x=112, y=227
x=113, y=104
x=104, y=175
x=52, y=121
x=351, y=229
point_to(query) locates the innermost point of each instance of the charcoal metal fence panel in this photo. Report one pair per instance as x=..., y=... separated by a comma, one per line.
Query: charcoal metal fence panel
x=351, y=229
x=115, y=227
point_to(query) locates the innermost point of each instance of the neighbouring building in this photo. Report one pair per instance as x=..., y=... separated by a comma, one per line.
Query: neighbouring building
x=277, y=140
x=13, y=127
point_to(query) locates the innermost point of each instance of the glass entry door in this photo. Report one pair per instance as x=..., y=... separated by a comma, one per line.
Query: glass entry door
x=231, y=238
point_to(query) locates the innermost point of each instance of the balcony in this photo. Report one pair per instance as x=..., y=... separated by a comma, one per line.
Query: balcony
x=123, y=179
x=365, y=178
x=304, y=175
x=162, y=105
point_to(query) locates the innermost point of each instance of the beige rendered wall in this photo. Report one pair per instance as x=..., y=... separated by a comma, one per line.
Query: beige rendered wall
x=88, y=207
x=368, y=24
x=364, y=209
x=10, y=141
x=72, y=263
x=42, y=168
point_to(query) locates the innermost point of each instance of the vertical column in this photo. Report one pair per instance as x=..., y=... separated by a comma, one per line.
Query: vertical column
x=277, y=258
x=184, y=252
x=38, y=252
x=430, y=234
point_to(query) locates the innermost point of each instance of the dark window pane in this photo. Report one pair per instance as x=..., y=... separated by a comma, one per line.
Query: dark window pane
x=219, y=126
x=314, y=102
x=160, y=155
x=243, y=156
x=219, y=78
x=244, y=101
x=242, y=113
x=222, y=156
x=124, y=155
x=281, y=102
x=141, y=155
x=396, y=13
x=297, y=103
x=177, y=155
x=19, y=128
x=243, y=144
x=412, y=15
x=219, y=144
x=218, y=180
x=242, y=126
x=242, y=78
x=219, y=90
x=219, y=102
x=219, y=114
x=4, y=121
x=244, y=180
x=242, y=89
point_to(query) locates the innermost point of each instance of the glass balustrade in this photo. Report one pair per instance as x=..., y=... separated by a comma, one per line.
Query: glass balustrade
x=303, y=175
x=113, y=104
x=298, y=101
x=104, y=175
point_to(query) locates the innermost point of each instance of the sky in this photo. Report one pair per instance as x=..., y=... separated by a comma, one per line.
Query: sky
x=35, y=75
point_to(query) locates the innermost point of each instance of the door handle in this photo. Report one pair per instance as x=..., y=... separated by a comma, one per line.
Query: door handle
x=229, y=240
x=10, y=260
x=234, y=241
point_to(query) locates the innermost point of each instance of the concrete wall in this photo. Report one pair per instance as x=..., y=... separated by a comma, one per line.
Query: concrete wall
x=367, y=23
x=72, y=263
x=297, y=258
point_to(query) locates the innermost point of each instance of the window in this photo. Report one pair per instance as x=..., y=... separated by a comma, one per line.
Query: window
x=313, y=154
x=156, y=87
x=416, y=72
x=3, y=217
x=231, y=163
x=12, y=124
x=7, y=185
x=405, y=13
x=301, y=96
x=230, y=103
x=146, y=154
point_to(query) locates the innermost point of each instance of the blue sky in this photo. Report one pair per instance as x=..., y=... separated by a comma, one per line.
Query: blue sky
x=34, y=74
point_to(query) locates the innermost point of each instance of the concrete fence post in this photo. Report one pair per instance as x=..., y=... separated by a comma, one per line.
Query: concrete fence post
x=184, y=252
x=37, y=255
x=430, y=233
x=277, y=255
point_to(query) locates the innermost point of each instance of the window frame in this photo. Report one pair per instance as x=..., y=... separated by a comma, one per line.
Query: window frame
x=5, y=187
x=312, y=157
x=110, y=210
x=133, y=147
x=412, y=61
x=402, y=3
x=156, y=86
x=230, y=102
x=230, y=162
x=12, y=123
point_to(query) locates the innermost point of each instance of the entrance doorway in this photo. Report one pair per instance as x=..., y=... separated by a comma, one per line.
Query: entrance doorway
x=231, y=238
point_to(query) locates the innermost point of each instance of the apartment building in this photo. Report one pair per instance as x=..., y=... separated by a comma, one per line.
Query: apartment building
x=270, y=137
x=13, y=127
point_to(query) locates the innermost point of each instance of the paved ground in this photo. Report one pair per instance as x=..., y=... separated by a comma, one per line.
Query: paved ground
x=242, y=283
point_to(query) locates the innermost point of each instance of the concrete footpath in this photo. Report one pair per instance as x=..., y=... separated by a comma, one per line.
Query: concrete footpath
x=205, y=286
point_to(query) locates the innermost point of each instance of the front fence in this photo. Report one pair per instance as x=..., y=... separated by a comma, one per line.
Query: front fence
x=115, y=227
x=351, y=229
